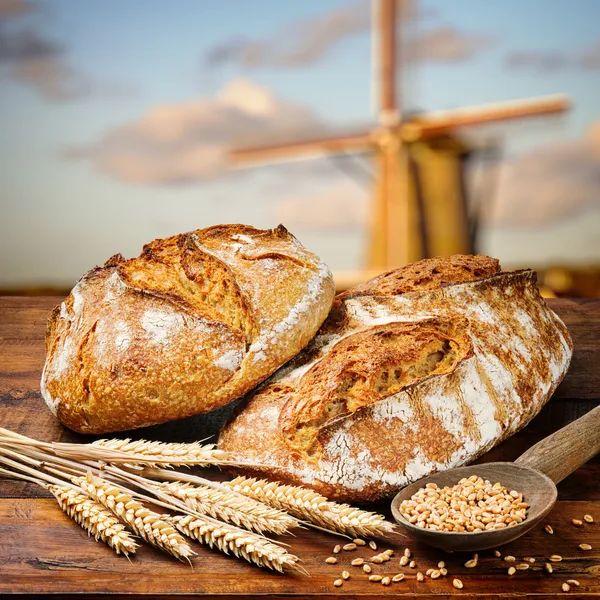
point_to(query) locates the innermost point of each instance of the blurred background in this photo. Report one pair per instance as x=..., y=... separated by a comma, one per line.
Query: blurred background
x=126, y=120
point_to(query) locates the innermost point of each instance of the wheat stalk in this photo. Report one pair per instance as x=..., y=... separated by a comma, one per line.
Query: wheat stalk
x=144, y=522
x=94, y=518
x=307, y=504
x=165, y=453
x=231, y=508
x=242, y=544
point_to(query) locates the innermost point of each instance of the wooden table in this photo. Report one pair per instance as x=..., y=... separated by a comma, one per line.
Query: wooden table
x=42, y=551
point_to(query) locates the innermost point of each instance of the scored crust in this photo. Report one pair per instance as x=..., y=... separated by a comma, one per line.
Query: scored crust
x=366, y=367
x=420, y=369
x=194, y=322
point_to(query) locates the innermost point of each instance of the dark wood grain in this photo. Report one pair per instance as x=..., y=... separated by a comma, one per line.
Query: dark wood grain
x=561, y=453
x=42, y=551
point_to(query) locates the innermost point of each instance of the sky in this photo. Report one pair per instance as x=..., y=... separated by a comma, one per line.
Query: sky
x=115, y=117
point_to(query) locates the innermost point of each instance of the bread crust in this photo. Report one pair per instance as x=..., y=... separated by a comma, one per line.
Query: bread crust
x=507, y=353
x=194, y=322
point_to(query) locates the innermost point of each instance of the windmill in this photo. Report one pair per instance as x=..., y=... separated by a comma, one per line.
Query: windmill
x=420, y=207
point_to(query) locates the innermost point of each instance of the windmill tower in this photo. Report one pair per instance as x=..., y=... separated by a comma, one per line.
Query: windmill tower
x=419, y=207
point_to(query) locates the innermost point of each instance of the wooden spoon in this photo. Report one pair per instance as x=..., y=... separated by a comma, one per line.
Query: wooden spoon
x=534, y=473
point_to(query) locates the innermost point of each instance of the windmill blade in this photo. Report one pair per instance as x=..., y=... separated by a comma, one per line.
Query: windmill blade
x=445, y=121
x=385, y=57
x=251, y=156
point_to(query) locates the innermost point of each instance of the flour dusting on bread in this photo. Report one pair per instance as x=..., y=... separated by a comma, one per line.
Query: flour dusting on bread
x=315, y=289
x=160, y=325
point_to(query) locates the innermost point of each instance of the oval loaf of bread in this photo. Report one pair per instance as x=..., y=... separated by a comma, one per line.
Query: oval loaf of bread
x=194, y=322
x=418, y=370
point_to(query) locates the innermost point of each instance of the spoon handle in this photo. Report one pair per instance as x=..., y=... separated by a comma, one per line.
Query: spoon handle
x=565, y=450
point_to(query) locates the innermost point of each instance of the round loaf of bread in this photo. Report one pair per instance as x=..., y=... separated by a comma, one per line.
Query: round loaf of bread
x=418, y=370
x=194, y=322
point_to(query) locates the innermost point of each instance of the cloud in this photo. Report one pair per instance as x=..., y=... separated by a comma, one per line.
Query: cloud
x=30, y=58
x=590, y=58
x=447, y=44
x=341, y=207
x=544, y=61
x=296, y=44
x=306, y=42
x=13, y=8
x=549, y=184
x=186, y=142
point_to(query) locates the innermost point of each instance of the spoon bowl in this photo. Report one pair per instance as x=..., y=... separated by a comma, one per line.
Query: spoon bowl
x=539, y=491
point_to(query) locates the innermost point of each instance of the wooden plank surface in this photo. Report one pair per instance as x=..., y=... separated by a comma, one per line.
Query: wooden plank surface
x=42, y=551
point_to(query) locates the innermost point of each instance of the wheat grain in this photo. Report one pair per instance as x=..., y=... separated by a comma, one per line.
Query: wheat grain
x=176, y=454
x=94, y=518
x=247, y=545
x=459, y=508
x=144, y=522
x=307, y=504
x=231, y=508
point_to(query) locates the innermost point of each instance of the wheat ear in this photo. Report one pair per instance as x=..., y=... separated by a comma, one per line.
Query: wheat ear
x=146, y=523
x=231, y=508
x=176, y=454
x=94, y=518
x=307, y=504
x=242, y=544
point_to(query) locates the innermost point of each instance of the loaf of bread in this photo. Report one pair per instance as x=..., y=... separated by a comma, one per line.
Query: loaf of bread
x=194, y=322
x=418, y=370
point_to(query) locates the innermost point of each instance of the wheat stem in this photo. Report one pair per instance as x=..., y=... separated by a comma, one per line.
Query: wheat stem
x=25, y=469
x=308, y=504
x=94, y=518
x=174, y=454
x=167, y=500
x=144, y=522
x=242, y=544
x=14, y=475
x=90, y=515
x=231, y=508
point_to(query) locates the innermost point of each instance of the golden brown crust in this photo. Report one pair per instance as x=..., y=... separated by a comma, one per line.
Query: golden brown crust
x=429, y=274
x=505, y=355
x=192, y=323
x=366, y=367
